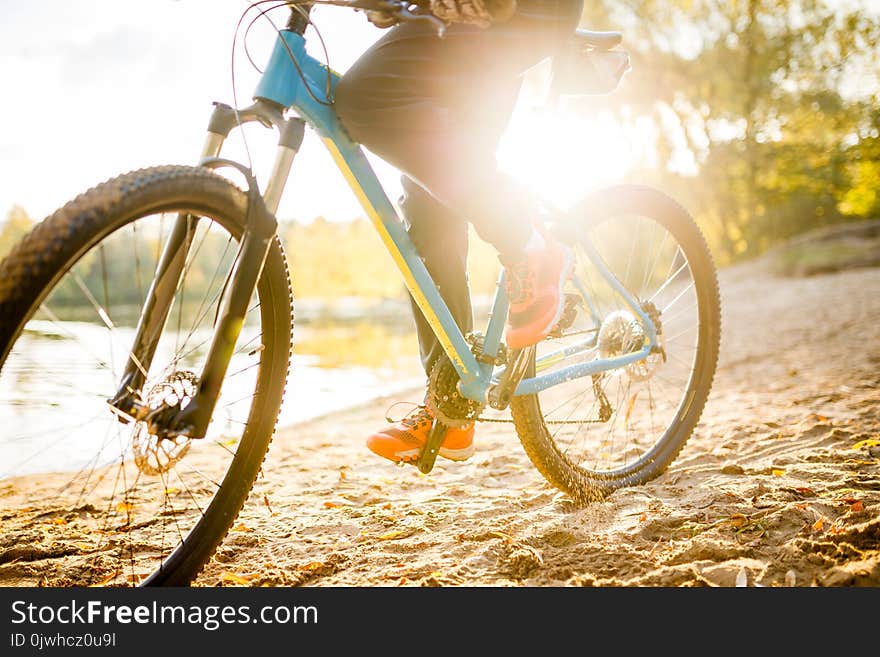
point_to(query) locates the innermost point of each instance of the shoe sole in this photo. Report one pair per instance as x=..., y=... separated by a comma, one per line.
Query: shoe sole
x=462, y=454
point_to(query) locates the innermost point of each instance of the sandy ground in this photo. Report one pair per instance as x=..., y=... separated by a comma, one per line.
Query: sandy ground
x=778, y=486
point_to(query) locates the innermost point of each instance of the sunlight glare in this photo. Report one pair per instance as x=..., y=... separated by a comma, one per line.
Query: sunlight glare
x=563, y=155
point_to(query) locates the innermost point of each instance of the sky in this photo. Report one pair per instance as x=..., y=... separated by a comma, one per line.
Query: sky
x=91, y=89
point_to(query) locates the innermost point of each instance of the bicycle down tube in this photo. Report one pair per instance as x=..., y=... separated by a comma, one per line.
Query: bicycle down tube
x=296, y=80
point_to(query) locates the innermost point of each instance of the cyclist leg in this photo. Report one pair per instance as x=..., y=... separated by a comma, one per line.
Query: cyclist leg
x=441, y=238
x=436, y=109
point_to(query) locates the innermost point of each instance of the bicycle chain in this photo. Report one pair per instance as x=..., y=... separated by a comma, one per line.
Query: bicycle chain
x=452, y=409
x=498, y=420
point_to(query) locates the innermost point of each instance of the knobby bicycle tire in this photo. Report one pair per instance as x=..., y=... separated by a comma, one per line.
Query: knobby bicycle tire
x=52, y=248
x=579, y=482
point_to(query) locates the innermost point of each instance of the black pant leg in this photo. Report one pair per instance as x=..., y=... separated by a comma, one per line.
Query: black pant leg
x=441, y=238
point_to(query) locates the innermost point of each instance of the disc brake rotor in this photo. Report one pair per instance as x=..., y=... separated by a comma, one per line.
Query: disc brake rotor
x=155, y=455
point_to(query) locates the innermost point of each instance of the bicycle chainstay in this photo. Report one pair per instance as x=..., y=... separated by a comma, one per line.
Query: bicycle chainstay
x=452, y=409
x=605, y=410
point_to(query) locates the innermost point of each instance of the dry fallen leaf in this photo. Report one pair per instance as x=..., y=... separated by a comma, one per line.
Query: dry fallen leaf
x=231, y=578
x=857, y=506
x=124, y=507
x=777, y=472
x=103, y=582
x=803, y=490
x=390, y=536
x=313, y=566
x=819, y=524
x=738, y=520
x=505, y=537
x=241, y=527
x=871, y=442
x=59, y=521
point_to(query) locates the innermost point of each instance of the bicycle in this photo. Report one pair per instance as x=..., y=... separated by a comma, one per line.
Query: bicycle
x=207, y=299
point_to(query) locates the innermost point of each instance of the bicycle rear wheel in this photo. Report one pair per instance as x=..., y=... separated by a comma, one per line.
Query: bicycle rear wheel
x=98, y=501
x=593, y=435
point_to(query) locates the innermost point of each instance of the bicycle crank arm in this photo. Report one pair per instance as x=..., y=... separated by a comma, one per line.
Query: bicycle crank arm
x=429, y=452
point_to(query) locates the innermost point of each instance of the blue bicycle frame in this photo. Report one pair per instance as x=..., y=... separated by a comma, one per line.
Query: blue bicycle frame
x=295, y=80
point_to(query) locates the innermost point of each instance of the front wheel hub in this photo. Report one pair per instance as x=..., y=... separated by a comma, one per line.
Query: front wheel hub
x=155, y=450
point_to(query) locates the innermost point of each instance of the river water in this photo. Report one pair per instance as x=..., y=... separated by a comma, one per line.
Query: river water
x=53, y=412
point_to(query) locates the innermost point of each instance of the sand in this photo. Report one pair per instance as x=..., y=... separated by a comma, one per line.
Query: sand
x=778, y=486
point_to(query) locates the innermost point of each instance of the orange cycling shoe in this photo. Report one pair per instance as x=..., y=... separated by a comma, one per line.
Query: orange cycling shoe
x=403, y=441
x=534, y=286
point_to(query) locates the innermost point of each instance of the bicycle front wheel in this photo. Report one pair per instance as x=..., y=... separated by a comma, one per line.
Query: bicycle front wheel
x=595, y=434
x=94, y=500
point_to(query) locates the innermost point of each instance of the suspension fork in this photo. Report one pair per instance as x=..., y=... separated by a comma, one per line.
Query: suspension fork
x=259, y=232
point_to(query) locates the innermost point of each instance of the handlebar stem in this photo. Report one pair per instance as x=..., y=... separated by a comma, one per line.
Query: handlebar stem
x=299, y=17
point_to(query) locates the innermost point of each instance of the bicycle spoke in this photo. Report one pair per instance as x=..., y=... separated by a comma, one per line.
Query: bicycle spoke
x=649, y=270
x=671, y=276
x=137, y=265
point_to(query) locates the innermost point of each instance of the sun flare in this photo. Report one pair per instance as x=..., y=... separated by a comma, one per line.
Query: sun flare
x=562, y=155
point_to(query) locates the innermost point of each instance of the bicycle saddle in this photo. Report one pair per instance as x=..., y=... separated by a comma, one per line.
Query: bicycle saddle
x=599, y=40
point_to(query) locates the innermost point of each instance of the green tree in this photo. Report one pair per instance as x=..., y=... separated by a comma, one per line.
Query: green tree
x=758, y=96
x=15, y=226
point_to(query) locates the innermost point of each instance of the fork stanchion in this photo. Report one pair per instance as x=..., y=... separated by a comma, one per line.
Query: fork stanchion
x=432, y=446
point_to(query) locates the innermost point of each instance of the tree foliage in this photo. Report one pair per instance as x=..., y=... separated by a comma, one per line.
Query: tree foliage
x=772, y=103
x=15, y=226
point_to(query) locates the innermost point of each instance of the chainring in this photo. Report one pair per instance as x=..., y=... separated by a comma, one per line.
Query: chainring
x=444, y=401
